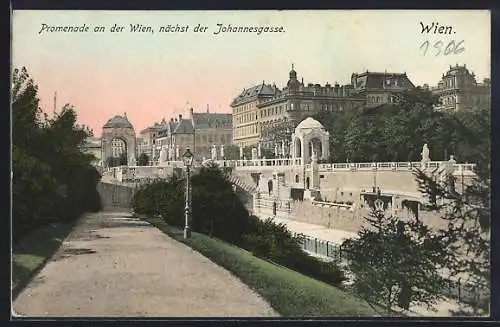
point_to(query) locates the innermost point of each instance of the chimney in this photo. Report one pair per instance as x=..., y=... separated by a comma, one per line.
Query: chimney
x=191, y=110
x=180, y=118
x=172, y=120
x=208, y=110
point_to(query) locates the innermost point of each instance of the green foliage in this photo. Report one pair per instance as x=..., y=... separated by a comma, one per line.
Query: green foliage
x=466, y=235
x=53, y=179
x=397, y=132
x=216, y=210
x=275, y=242
x=219, y=211
x=396, y=261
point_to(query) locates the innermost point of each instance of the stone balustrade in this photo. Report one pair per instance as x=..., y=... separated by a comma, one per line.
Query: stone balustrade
x=166, y=168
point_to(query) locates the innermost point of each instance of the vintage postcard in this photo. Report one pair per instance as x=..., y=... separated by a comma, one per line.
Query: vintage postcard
x=292, y=163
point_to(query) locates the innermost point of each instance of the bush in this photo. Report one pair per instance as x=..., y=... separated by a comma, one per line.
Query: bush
x=275, y=242
x=216, y=210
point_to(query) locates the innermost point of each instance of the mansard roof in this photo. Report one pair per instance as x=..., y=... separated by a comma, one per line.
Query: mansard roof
x=254, y=92
x=379, y=80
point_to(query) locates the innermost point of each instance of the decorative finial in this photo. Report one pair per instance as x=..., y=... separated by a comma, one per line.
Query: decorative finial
x=125, y=114
x=292, y=65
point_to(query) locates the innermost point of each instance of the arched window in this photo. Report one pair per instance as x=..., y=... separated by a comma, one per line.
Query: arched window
x=296, y=178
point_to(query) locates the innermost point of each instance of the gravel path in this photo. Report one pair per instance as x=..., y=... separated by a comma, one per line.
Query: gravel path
x=113, y=265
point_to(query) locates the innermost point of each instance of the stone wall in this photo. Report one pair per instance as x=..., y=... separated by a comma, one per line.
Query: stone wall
x=115, y=196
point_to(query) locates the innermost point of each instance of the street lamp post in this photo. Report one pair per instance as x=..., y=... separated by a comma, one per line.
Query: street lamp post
x=187, y=157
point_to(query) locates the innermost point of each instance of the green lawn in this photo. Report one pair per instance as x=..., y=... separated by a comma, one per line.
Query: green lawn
x=31, y=252
x=288, y=292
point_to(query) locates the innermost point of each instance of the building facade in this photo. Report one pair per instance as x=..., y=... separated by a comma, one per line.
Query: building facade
x=260, y=108
x=199, y=132
x=148, y=138
x=458, y=90
x=380, y=88
x=246, y=114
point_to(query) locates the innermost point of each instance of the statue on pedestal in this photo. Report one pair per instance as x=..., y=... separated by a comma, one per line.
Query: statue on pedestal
x=222, y=151
x=314, y=157
x=425, y=153
x=425, y=156
x=283, y=149
x=214, y=152
x=254, y=153
x=259, y=151
x=276, y=150
x=177, y=155
x=241, y=152
x=163, y=155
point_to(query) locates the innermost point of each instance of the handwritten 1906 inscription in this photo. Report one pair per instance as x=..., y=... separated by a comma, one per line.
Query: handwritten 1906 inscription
x=440, y=47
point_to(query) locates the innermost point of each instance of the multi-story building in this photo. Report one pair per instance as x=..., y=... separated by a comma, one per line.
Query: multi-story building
x=246, y=127
x=458, y=90
x=380, y=88
x=148, y=138
x=259, y=108
x=200, y=132
x=211, y=129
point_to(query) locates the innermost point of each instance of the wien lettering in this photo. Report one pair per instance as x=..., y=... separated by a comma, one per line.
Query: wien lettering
x=221, y=28
x=435, y=28
x=139, y=28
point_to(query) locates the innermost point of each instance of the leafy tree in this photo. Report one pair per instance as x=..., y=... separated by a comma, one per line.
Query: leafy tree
x=397, y=132
x=143, y=160
x=466, y=235
x=277, y=132
x=53, y=178
x=217, y=211
x=396, y=262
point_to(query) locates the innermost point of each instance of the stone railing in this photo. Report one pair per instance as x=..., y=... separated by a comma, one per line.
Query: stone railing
x=390, y=166
x=330, y=204
x=263, y=163
x=361, y=166
x=161, y=171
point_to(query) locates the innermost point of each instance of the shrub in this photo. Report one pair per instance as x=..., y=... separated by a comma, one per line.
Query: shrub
x=276, y=243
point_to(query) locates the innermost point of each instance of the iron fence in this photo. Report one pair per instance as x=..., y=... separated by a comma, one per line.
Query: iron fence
x=458, y=290
x=321, y=247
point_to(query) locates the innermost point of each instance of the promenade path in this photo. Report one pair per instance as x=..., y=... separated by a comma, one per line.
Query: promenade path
x=114, y=265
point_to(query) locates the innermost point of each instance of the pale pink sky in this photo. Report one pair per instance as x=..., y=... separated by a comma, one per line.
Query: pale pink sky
x=151, y=76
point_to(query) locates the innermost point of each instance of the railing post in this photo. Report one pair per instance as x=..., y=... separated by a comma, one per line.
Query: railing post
x=315, y=245
x=327, y=248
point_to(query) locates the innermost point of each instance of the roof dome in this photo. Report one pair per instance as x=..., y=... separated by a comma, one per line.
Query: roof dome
x=118, y=122
x=309, y=123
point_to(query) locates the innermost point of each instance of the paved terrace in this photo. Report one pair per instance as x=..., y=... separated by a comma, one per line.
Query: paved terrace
x=113, y=265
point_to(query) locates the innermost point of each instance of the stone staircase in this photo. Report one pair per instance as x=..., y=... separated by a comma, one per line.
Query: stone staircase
x=241, y=184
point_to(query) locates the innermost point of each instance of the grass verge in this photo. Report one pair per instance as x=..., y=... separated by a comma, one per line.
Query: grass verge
x=31, y=253
x=288, y=292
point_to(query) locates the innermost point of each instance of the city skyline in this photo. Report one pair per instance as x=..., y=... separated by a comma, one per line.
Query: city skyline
x=105, y=75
